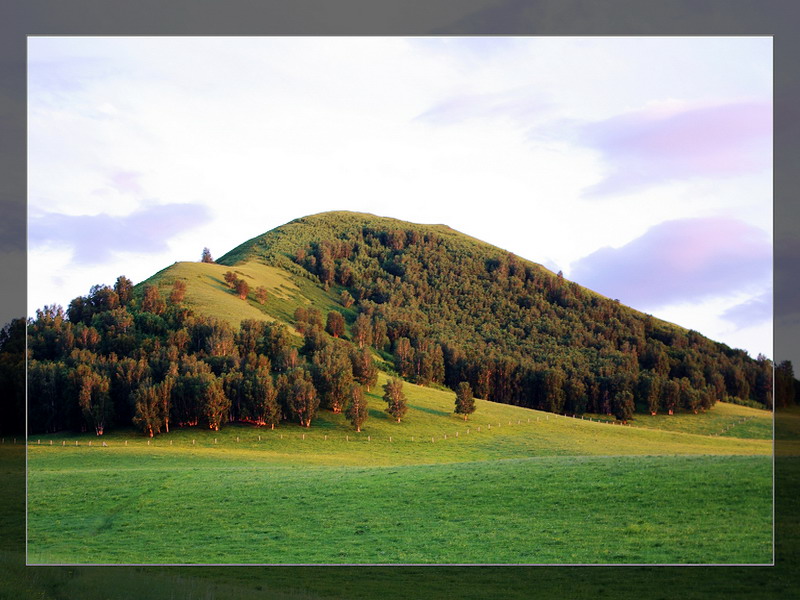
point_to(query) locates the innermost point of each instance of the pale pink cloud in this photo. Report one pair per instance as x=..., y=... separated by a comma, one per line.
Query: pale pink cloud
x=649, y=147
x=679, y=261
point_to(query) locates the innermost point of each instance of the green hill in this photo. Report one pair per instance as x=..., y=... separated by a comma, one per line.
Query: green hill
x=517, y=332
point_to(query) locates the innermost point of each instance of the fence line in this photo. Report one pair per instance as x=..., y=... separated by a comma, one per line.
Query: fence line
x=443, y=436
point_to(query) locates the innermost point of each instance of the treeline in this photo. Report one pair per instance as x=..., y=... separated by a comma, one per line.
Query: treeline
x=114, y=358
x=451, y=309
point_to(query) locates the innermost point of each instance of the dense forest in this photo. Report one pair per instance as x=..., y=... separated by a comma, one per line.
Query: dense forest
x=438, y=307
x=116, y=358
x=452, y=308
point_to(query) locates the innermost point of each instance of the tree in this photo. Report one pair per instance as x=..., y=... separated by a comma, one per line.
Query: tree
x=313, y=340
x=262, y=400
x=242, y=289
x=465, y=403
x=149, y=415
x=215, y=404
x=230, y=279
x=364, y=370
x=395, y=398
x=93, y=396
x=362, y=331
x=178, y=292
x=357, y=412
x=689, y=396
x=648, y=390
x=164, y=394
x=206, y=256
x=261, y=294
x=403, y=356
x=152, y=301
x=335, y=324
x=623, y=405
x=670, y=395
x=333, y=376
x=124, y=289
x=785, y=384
x=346, y=299
x=301, y=396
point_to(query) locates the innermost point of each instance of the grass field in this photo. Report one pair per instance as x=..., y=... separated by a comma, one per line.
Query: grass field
x=729, y=420
x=508, y=486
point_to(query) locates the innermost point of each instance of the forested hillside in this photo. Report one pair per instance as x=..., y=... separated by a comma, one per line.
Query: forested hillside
x=452, y=308
x=335, y=292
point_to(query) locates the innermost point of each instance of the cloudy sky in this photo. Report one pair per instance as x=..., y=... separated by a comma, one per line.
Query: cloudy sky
x=640, y=167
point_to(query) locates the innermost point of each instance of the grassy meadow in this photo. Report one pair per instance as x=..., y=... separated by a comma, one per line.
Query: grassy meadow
x=510, y=486
x=206, y=287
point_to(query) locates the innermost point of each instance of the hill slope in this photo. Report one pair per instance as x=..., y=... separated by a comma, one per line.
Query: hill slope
x=517, y=332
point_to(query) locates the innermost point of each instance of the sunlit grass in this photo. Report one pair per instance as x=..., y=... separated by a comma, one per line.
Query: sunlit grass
x=723, y=419
x=509, y=485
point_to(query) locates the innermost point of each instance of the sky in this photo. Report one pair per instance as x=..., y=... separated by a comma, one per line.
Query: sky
x=640, y=167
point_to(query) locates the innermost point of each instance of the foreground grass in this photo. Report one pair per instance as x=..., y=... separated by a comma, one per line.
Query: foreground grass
x=510, y=485
x=535, y=510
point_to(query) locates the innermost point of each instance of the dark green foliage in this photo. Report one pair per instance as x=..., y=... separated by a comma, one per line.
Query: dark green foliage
x=357, y=410
x=465, y=403
x=215, y=404
x=261, y=399
x=313, y=340
x=362, y=331
x=94, y=398
x=335, y=324
x=364, y=370
x=12, y=376
x=149, y=413
x=152, y=301
x=649, y=391
x=333, y=376
x=124, y=289
x=623, y=405
x=395, y=398
x=507, y=326
x=301, y=396
x=346, y=299
x=128, y=365
x=670, y=395
x=785, y=384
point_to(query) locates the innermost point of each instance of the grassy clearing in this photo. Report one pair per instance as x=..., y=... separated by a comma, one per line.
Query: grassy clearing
x=205, y=287
x=520, y=487
x=723, y=419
